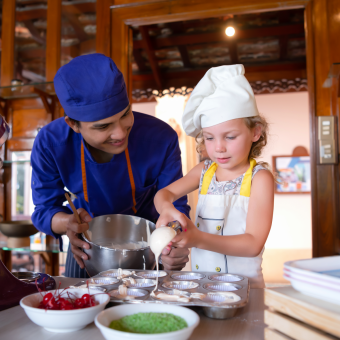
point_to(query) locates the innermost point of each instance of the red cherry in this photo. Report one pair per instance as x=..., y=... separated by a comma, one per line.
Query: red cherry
x=47, y=297
x=51, y=304
x=86, y=299
x=66, y=305
x=79, y=303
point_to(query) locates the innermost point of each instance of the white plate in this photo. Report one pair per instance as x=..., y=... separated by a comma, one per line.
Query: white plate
x=104, y=319
x=318, y=269
x=303, y=276
x=315, y=290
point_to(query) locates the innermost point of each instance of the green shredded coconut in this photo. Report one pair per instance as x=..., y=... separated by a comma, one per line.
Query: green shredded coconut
x=149, y=323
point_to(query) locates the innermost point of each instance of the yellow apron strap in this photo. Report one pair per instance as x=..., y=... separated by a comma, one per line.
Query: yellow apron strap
x=132, y=181
x=83, y=172
x=246, y=183
x=207, y=178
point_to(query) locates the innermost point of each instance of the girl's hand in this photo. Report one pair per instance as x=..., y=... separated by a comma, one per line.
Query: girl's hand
x=170, y=213
x=189, y=237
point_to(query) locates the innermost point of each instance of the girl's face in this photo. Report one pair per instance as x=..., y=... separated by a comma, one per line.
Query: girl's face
x=228, y=144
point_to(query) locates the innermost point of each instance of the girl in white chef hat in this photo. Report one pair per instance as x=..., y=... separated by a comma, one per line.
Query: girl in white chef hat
x=235, y=206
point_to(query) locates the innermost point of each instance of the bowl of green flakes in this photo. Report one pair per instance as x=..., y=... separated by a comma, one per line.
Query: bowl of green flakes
x=147, y=321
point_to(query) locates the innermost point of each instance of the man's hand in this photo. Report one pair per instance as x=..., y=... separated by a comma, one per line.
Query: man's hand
x=175, y=258
x=72, y=231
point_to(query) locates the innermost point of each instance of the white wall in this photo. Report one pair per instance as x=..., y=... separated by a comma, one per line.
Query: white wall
x=287, y=114
x=148, y=108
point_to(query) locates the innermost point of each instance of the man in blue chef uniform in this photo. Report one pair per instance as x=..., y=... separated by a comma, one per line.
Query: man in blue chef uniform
x=114, y=160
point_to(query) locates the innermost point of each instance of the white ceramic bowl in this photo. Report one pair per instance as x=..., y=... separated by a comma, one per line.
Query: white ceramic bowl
x=104, y=319
x=63, y=320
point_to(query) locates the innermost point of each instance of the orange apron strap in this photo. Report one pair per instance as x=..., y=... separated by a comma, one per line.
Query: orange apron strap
x=132, y=181
x=83, y=172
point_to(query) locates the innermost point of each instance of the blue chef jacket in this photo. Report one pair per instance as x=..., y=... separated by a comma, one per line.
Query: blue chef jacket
x=56, y=163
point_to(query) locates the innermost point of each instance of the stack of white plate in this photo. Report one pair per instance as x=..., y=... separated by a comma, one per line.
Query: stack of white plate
x=318, y=277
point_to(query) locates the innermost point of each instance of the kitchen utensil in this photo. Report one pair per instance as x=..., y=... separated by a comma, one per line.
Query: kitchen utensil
x=215, y=304
x=75, y=212
x=117, y=229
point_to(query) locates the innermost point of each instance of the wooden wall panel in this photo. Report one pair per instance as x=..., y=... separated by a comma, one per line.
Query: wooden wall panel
x=120, y=46
x=176, y=10
x=53, y=38
x=27, y=122
x=7, y=43
x=103, y=41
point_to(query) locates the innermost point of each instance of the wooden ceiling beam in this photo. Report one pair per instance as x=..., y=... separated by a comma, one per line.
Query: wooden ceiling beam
x=233, y=51
x=78, y=8
x=88, y=46
x=77, y=26
x=199, y=73
x=39, y=13
x=185, y=56
x=137, y=55
x=28, y=54
x=191, y=39
x=283, y=47
x=148, y=46
x=191, y=79
x=34, y=32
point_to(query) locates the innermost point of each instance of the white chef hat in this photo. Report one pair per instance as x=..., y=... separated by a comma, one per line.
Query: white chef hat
x=222, y=94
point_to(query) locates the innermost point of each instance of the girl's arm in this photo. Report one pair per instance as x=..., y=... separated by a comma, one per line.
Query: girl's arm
x=165, y=197
x=259, y=220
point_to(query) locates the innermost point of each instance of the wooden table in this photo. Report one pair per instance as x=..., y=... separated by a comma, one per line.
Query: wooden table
x=247, y=324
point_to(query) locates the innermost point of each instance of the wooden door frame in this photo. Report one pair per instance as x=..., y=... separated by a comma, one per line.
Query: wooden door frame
x=325, y=201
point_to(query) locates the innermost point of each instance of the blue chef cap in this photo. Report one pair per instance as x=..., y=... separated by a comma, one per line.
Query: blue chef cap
x=91, y=88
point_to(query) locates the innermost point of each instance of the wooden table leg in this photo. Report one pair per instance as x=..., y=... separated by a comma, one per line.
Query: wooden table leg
x=51, y=263
x=6, y=258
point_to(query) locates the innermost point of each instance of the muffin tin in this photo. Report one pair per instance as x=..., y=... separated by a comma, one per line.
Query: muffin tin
x=217, y=304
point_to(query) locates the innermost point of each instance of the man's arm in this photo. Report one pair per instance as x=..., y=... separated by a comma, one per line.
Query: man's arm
x=50, y=216
x=47, y=190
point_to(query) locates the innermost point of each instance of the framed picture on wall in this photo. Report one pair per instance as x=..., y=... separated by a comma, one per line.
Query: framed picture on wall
x=293, y=174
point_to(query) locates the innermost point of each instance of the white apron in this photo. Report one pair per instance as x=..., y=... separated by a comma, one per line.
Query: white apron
x=225, y=215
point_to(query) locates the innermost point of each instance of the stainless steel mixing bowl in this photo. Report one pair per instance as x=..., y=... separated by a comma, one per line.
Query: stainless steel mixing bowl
x=117, y=229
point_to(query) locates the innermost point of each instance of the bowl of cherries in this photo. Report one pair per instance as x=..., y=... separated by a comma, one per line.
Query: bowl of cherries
x=64, y=310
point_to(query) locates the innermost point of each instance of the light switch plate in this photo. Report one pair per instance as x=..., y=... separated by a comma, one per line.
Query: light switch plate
x=328, y=150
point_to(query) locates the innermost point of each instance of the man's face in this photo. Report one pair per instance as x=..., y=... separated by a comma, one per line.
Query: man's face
x=110, y=134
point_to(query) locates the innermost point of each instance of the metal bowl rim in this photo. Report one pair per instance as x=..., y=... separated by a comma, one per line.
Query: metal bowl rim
x=110, y=215
x=112, y=249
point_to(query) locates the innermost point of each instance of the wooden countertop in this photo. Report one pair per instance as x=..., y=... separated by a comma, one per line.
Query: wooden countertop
x=247, y=324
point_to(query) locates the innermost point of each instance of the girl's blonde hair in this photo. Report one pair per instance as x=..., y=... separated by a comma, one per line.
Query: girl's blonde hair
x=256, y=148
